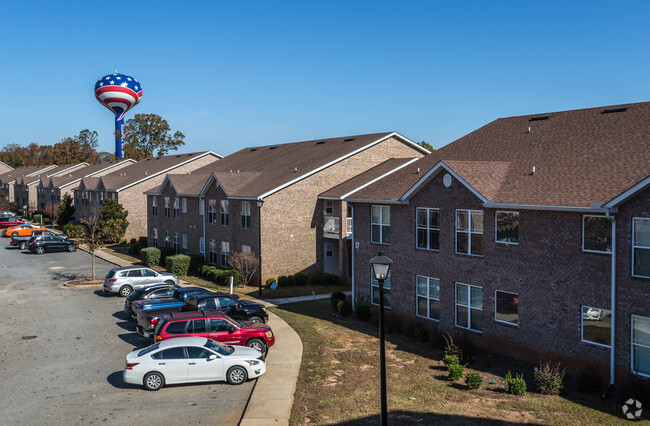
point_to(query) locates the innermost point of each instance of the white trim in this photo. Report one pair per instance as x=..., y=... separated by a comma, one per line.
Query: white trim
x=583, y=234
x=128, y=160
x=207, y=184
x=633, y=247
x=469, y=307
x=582, y=331
x=469, y=232
x=39, y=171
x=516, y=324
x=632, y=344
x=5, y=164
x=495, y=227
x=440, y=165
x=348, y=155
x=381, y=225
x=342, y=197
x=428, y=228
x=628, y=194
x=428, y=297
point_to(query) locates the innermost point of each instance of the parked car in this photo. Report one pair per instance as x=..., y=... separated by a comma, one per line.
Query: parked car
x=228, y=303
x=7, y=213
x=9, y=221
x=156, y=291
x=43, y=243
x=20, y=230
x=128, y=278
x=216, y=326
x=21, y=242
x=192, y=360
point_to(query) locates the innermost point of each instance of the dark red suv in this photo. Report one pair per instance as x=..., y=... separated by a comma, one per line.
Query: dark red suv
x=217, y=326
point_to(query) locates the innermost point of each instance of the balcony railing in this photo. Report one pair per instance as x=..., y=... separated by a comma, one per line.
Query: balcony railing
x=332, y=225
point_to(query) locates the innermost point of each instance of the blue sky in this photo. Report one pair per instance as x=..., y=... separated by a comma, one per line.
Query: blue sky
x=231, y=74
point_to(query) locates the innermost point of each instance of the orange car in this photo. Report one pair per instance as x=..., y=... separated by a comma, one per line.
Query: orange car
x=22, y=230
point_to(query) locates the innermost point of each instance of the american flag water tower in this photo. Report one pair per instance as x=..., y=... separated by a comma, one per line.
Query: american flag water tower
x=119, y=93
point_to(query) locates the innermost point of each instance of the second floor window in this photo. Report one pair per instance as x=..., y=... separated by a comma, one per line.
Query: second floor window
x=154, y=206
x=166, y=207
x=201, y=206
x=329, y=206
x=225, y=252
x=245, y=214
x=469, y=232
x=184, y=205
x=596, y=234
x=380, y=224
x=428, y=228
x=201, y=245
x=641, y=247
x=223, y=213
x=212, y=211
x=175, y=208
x=507, y=227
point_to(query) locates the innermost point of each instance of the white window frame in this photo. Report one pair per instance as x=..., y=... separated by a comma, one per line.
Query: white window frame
x=584, y=216
x=212, y=254
x=375, y=284
x=428, y=228
x=470, y=233
x=167, y=212
x=201, y=244
x=582, y=322
x=184, y=205
x=212, y=212
x=516, y=324
x=634, y=345
x=496, y=220
x=184, y=241
x=330, y=247
x=428, y=297
x=177, y=243
x=328, y=207
x=468, y=306
x=176, y=209
x=154, y=237
x=380, y=224
x=635, y=247
x=224, y=254
x=245, y=214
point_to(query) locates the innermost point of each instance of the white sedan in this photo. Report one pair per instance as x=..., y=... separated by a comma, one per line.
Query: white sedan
x=190, y=360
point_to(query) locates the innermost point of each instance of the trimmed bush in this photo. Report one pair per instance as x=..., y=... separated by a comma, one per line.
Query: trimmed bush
x=73, y=231
x=336, y=297
x=322, y=278
x=178, y=264
x=455, y=372
x=473, y=380
x=269, y=281
x=300, y=278
x=214, y=274
x=123, y=241
x=135, y=249
x=362, y=309
x=515, y=385
x=450, y=360
x=204, y=270
x=133, y=241
x=47, y=221
x=225, y=277
x=283, y=281
x=421, y=333
x=196, y=263
x=37, y=218
x=150, y=256
x=344, y=307
x=143, y=240
x=20, y=212
x=550, y=379
x=591, y=381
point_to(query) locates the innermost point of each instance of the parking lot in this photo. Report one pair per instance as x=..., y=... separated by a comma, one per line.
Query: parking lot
x=62, y=353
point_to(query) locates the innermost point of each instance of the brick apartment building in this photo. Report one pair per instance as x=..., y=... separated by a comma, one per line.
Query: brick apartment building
x=128, y=184
x=25, y=187
x=8, y=181
x=216, y=210
x=530, y=235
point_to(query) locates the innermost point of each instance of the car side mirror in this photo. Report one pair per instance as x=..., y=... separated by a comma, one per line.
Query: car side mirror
x=231, y=330
x=213, y=356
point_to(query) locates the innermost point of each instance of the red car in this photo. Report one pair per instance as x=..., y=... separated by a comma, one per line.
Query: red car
x=216, y=326
x=9, y=221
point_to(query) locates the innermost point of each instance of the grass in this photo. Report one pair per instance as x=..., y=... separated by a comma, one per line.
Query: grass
x=339, y=381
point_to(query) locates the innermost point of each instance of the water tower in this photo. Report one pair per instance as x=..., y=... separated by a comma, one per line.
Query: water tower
x=119, y=93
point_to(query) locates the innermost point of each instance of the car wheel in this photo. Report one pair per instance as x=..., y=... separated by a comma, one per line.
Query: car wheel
x=236, y=375
x=22, y=245
x=71, y=248
x=14, y=234
x=169, y=282
x=258, y=344
x=40, y=250
x=153, y=381
x=125, y=291
x=256, y=319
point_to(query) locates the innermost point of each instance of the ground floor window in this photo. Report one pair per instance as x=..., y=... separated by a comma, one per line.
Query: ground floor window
x=374, y=286
x=212, y=252
x=469, y=307
x=641, y=345
x=167, y=241
x=506, y=307
x=201, y=245
x=184, y=239
x=225, y=252
x=596, y=326
x=428, y=297
x=154, y=237
x=177, y=243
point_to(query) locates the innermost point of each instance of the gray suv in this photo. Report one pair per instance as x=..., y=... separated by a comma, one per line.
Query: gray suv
x=128, y=278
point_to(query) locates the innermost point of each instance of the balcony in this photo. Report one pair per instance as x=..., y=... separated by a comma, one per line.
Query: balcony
x=332, y=225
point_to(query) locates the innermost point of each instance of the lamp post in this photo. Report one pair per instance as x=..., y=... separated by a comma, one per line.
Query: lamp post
x=260, y=203
x=380, y=267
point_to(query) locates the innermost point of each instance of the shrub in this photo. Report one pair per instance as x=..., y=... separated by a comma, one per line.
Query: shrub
x=300, y=278
x=473, y=380
x=421, y=333
x=47, y=221
x=178, y=264
x=292, y=280
x=196, y=263
x=204, y=270
x=143, y=240
x=362, y=309
x=455, y=372
x=269, y=281
x=73, y=231
x=344, y=307
x=135, y=249
x=283, y=281
x=550, y=379
x=450, y=360
x=322, y=278
x=451, y=348
x=123, y=241
x=515, y=385
x=225, y=277
x=164, y=252
x=150, y=256
x=213, y=274
x=37, y=218
x=20, y=212
x=591, y=381
x=133, y=241
x=336, y=297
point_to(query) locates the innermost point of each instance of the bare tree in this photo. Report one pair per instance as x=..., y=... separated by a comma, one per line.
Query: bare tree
x=244, y=263
x=93, y=236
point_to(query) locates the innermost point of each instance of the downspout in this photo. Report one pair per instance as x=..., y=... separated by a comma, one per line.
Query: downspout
x=613, y=302
x=205, y=242
x=353, y=253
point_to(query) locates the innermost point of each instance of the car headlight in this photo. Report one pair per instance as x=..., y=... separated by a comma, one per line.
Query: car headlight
x=252, y=362
x=269, y=334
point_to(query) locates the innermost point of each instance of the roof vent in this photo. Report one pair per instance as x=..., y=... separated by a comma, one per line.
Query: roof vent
x=610, y=111
x=349, y=139
x=295, y=169
x=320, y=142
x=544, y=117
x=273, y=147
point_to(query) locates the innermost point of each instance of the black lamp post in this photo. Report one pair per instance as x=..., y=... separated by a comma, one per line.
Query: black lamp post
x=380, y=267
x=260, y=203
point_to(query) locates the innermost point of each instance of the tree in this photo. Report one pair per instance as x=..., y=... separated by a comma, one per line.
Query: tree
x=68, y=151
x=89, y=143
x=66, y=210
x=146, y=133
x=13, y=155
x=92, y=236
x=426, y=145
x=113, y=218
x=244, y=263
x=50, y=209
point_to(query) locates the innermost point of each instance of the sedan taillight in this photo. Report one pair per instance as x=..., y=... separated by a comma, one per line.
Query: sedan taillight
x=130, y=365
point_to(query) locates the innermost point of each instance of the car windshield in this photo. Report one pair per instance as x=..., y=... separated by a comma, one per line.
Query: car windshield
x=149, y=349
x=219, y=348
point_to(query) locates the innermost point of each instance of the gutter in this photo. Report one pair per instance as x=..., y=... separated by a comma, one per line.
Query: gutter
x=353, y=254
x=613, y=302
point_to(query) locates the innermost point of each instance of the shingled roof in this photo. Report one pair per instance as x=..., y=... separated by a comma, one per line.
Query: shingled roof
x=73, y=176
x=19, y=172
x=580, y=158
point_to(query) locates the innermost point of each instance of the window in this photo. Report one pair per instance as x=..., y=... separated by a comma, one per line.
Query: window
x=223, y=213
x=380, y=224
x=175, y=208
x=469, y=307
x=329, y=207
x=218, y=325
x=184, y=240
x=201, y=206
x=245, y=214
x=196, y=326
x=201, y=245
x=166, y=207
x=196, y=352
x=171, y=353
x=184, y=205
x=225, y=252
x=641, y=247
x=154, y=206
x=212, y=252
x=469, y=232
x=428, y=297
x=166, y=238
x=507, y=227
x=177, y=327
x=212, y=211
x=596, y=326
x=246, y=250
x=506, y=307
x=154, y=237
x=641, y=345
x=596, y=234
x=374, y=286
x=428, y=228
x=227, y=302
